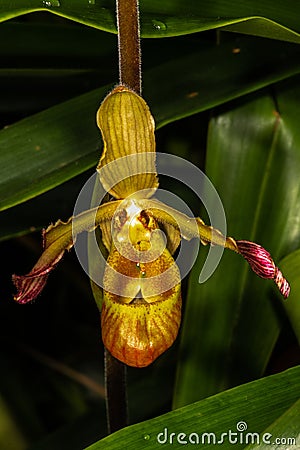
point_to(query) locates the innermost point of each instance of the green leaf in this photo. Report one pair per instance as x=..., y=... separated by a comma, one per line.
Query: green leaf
x=231, y=323
x=291, y=266
x=63, y=141
x=258, y=405
x=46, y=71
x=41, y=211
x=10, y=428
x=54, y=146
x=284, y=432
x=58, y=52
x=261, y=18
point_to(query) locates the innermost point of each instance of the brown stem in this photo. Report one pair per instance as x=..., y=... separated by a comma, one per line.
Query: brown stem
x=116, y=397
x=129, y=44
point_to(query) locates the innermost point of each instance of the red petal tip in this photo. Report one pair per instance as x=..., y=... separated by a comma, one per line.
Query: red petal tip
x=263, y=265
x=28, y=288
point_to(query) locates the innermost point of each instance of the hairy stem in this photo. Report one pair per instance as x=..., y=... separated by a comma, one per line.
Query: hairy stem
x=129, y=44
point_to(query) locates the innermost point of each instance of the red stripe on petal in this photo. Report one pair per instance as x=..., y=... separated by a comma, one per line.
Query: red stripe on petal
x=31, y=285
x=263, y=265
x=282, y=283
x=28, y=287
x=259, y=258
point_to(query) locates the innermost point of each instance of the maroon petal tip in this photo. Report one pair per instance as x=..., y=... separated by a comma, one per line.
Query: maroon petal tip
x=282, y=283
x=263, y=265
x=258, y=257
x=28, y=287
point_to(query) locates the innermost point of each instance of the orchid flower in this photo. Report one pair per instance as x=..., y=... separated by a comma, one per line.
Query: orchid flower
x=141, y=307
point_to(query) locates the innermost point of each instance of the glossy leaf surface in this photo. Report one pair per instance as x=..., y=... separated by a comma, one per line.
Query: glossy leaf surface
x=259, y=18
x=258, y=404
x=231, y=321
x=291, y=265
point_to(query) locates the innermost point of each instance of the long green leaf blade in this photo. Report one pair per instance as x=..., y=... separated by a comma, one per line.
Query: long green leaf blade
x=171, y=18
x=283, y=433
x=291, y=266
x=257, y=404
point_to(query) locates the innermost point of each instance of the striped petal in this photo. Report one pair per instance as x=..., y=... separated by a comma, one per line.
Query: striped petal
x=57, y=239
x=127, y=164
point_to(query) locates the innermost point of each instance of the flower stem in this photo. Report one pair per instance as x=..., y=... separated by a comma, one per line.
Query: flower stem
x=129, y=44
x=116, y=394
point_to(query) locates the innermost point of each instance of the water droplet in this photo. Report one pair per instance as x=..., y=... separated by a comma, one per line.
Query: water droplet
x=147, y=437
x=158, y=25
x=50, y=3
x=91, y=2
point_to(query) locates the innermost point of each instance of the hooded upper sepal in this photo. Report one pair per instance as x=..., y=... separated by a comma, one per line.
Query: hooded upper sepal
x=127, y=164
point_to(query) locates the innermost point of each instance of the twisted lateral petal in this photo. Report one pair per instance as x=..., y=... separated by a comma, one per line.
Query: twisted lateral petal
x=258, y=258
x=56, y=239
x=188, y=227
x=29, y=286
x=263, y=265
